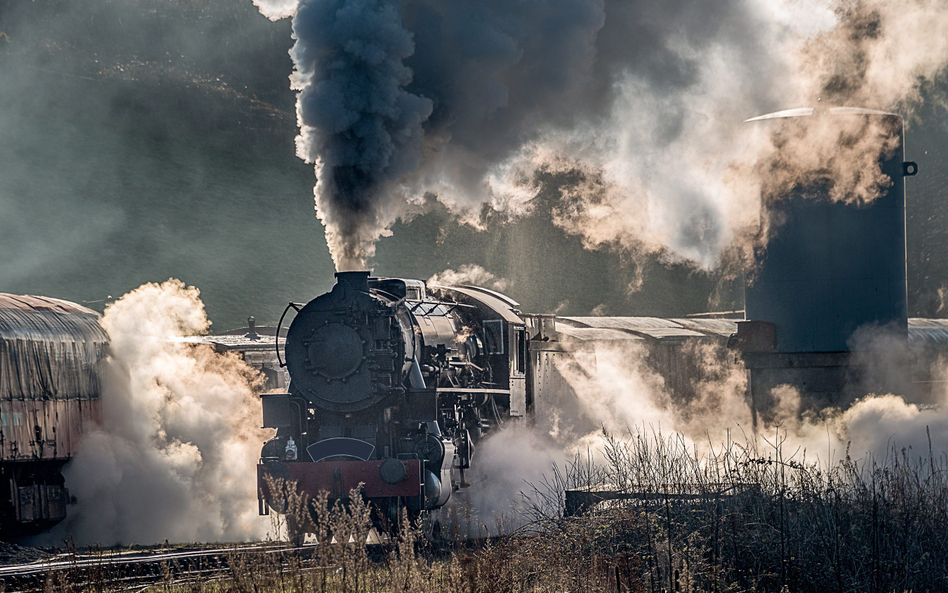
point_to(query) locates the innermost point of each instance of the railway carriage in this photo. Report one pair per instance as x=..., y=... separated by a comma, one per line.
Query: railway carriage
x=50, y=356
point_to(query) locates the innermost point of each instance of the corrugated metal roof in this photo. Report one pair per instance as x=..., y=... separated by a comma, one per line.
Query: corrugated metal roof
x=797, y=112
x=231, y=342
x=622, y=322
x=49, y=348
x=928, y=333
x=716, y=327
x=41, y=318
x=26, y=302
x=808, y=111
x=594, y=334
x=652, y=327
x=927, y=323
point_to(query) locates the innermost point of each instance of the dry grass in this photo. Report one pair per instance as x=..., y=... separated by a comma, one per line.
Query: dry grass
x=738, y=519
x=742, y=519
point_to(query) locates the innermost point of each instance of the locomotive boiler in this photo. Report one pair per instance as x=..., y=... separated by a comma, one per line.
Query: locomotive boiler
x=392, y=385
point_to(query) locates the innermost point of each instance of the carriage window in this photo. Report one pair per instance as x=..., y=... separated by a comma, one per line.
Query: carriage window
x=494, y=336
x=521, y=351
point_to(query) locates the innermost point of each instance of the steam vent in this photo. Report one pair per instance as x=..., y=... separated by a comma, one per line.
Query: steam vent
x=826, y=307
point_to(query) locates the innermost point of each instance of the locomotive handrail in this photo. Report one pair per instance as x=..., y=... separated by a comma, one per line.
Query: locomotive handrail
x=456, y=305
x=276, y=339
x=452, y=305
x=471, y=390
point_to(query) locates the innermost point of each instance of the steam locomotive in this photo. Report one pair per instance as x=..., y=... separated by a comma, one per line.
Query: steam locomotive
x=393, y=383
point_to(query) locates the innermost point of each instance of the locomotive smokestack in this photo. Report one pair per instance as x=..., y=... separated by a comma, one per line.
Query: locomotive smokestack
x=358, y=281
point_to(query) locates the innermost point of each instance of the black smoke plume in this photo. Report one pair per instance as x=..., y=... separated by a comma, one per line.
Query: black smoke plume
x=357, y=122
x=642, y=102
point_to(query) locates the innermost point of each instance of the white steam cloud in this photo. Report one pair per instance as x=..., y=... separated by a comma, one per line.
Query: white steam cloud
x=617, y=389
x=174, y=457
x=277, y=9
x=471, y=274
x=611, y=387
x=467, y=100
x=507, y=465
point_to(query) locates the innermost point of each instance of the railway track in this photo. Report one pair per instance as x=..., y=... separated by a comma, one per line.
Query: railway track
x=111, y=570
x=131, y=570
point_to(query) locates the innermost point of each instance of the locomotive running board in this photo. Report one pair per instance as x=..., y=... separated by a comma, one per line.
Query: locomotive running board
x=472, y=390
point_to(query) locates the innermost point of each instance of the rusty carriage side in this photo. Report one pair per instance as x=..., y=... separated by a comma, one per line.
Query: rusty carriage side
x=50, y=356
